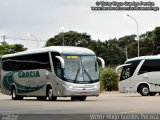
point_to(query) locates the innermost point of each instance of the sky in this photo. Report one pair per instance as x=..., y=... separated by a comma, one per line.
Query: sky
x=28, y=21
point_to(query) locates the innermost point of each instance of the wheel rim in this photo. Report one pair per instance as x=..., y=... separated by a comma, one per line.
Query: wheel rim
x=50, y=93
x=145, y=90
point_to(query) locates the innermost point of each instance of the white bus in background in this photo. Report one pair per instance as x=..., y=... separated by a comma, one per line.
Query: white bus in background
x=141, y=74
x=56, y=71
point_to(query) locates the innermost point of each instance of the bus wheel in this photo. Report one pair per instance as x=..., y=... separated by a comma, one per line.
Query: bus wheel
x=144, y=90
x=152, y=93
x=50, y=95
x=14, y=95
x=82, y=98
x=41, y=98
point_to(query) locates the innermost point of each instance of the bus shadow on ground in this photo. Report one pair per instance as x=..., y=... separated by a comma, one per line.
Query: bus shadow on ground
x=59, y=100
x=139, y=96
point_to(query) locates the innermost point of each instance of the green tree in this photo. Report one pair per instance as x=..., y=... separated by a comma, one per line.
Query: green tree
x=108, y=79
x=132, y=50
x=157, y=40
x=5, y=48
x=147, y=43
x=115, y=54
x=70, y=38
x=126, y=40
x=113, y=51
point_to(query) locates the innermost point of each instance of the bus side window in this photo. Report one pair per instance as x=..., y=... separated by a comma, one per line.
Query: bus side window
x=150, y=66
x=126, y=73
x=58, y=69
x=27, y=62
x=129, y=70
x=57, y=66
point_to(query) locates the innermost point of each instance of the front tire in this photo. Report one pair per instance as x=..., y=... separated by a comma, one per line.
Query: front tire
x=50, y=95
x=144, y=90
x=14, y=95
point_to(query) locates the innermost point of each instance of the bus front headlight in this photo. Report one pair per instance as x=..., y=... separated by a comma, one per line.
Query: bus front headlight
x=96, y=86
x=70, y=87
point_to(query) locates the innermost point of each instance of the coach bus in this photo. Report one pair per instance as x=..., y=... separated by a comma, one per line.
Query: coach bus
x=141, y=74
x=51, y=72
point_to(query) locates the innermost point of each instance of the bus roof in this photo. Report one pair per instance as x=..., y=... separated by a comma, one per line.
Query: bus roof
x=64, y=50
x=151, y=57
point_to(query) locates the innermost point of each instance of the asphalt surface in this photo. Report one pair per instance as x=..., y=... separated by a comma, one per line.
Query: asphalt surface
x=106, y=103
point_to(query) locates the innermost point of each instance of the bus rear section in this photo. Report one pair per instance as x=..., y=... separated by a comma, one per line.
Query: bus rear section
x=142, y=75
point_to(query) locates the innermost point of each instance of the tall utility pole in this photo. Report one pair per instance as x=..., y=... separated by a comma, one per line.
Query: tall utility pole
x=4, y=38
x=123, y=51
x=63, y=37
x=62, y=29
x=137, y=31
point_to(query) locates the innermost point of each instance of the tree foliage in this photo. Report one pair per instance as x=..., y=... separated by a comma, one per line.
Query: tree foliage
x=108, y=79
x=70, y=38
x=156, y=40
x=5, y=48
x=113, y=51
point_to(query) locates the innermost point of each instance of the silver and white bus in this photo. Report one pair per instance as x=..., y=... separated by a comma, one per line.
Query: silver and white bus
x=141, y=74
x=56, y=71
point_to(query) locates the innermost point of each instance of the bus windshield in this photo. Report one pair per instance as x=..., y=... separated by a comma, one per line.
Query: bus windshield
x=129, y=70
x=81, y=69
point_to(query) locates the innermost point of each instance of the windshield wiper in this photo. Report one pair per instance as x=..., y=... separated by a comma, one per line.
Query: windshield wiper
x=77, y=74
x=87, y=74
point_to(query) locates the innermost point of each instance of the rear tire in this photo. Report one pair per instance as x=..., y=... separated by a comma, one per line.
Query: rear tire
x=50, y=95
x=144, y=90
x=41, y=98
x=14, y=95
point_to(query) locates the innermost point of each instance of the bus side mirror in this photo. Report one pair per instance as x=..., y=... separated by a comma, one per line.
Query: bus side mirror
x=102, y=61
x=61, y=61
x=118, y=67
x=121, y=66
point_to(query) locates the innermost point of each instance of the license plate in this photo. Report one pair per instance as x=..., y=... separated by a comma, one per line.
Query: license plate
x=83, y=93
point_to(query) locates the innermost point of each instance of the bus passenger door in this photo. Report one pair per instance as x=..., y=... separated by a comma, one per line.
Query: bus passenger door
x=58, y=64
x=126, y=80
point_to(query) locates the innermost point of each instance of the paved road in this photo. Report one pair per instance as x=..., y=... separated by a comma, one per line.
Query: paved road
x=106, y=103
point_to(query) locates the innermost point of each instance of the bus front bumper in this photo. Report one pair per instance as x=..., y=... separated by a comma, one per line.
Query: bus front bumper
x=81, y=91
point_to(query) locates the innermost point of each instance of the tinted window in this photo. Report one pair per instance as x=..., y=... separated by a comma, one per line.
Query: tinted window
x=129, y=70
x=150, y=66
x=27, y=62
x=57, y=65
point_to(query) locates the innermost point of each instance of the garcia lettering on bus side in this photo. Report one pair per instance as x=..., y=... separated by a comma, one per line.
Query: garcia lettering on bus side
x=28, y=74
